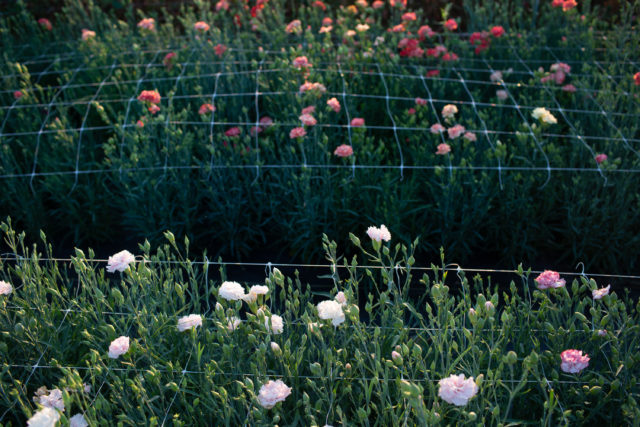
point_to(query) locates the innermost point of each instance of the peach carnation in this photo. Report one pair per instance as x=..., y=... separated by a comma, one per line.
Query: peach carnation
x=334, y=104
x=379, y=234
x=455, y=131
x=357, y=122
x=443, y=149
x=201, y=26
x=308, y=120
x=151, y=96
x=147, y=24
x=206, y=108
x=298, y=132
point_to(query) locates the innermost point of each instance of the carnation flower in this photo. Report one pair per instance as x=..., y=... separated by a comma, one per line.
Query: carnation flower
x=601, y=158
x=301, y=62
x=201, y=26
x=206, y=108
x=549, y=279
x=357, y=122
x=361, y=28
x=78, y=421
x=502, y=95
x=87, y=34
x=233, y=323
x=154, y=109
x=254, y=291
x=443, y=149
x=298, y=132
x=151, y=96
x=140, y=124
x=636, y=78
x=118, y=347
x=273, y=392
x=294, y=26
x=379, y=234
x=602, y=332
x=599, y=293
x=189, y=322
x=457, y=390
x=409, y=16
x=18, y=94
x=568, y=5
x=451, y=25
x=312, y=87
x=455, y=131
x=497, y=31
x=544, y=115
x=168, y=59
x=308, y=110
x=147, y=24
x=45, y=23
x=343, y=150
x=46, y=417
x=377, y=4
x=325, y=29
x=52, y=400
x=308, y=120
x=331, y=310
x=5, y=288
x=437, y=128
x=266, y=122
x=449, y=111
x=426, y=31
x=470, y=136
x=277, y=326
x=219, y=49
x=231, y=291
x=334, y=104
x=120, y=261
x=573, y=361
x=222, y=5
x=569, y=88
x=421, y=102
x=496, y=76
x=341, y=298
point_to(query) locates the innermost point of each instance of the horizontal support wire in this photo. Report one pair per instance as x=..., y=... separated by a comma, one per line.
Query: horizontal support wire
x=247, y=374
x=13, y=258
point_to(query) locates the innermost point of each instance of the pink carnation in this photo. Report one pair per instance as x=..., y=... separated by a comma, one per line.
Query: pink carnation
x=451, y=25
x=421, y=102
x=357, y=122
x=206, y=108
x=18, y=94
x=233, y=132
x=118, y=347
x=334, y=104
x=297, y=133
x=549, y=279
x=455, y=131
x=45, y=23
x=561, y=66
x=599, y=293
x=147, y=24
x=443, y=149
x=309, y=110
x=377, y=4
x=409, y=16
x=457, y=390
x=153, y=109
x=573, y=361
x=220, y=49
x=120, y=261
x=266, y=122
x=308, y=120
x=168, y=59
x=151, y=96
x=301, y=62
x=601, y=158
x=497, y=31
x=569, y=88
x=343, y=150
x=379, y=234
x=470, y=136
x=437, y=128
x=273, y=392
x=636, y=78
x=87, y=34
x=426, y=31
x=502, y=95
x=201, y=26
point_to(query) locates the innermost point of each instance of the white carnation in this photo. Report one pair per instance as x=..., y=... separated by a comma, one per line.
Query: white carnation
x=231, y=291
x=188, y=322
x=277, y=326
x=331, y=310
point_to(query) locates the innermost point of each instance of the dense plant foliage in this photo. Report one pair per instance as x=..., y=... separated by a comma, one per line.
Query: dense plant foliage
x=197, y=345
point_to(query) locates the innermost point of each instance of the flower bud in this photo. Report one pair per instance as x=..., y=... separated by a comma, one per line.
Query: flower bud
x=397, y=359
x=276, y=348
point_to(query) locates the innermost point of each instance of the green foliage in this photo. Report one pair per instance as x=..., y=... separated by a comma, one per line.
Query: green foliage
x=62, y=316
